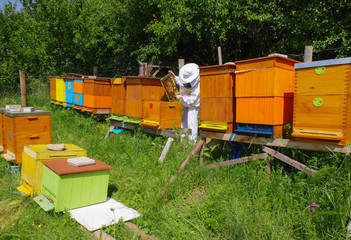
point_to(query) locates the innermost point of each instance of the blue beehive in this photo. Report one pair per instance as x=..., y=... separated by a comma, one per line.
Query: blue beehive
x=69, y=91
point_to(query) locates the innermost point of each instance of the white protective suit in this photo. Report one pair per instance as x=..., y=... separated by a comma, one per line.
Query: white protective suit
x=189, y=83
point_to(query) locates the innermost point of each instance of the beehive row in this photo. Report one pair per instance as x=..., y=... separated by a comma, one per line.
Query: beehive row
x=260, y=96
x=18, y=129
x=132, y=98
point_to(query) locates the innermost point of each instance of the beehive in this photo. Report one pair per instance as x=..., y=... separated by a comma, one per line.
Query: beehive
x=70, y=187
x=162, y=115
x=78, y=92
x=52, y=88
x=60, y=91
x=97, y=94
x=32, y=167
x=140, y=89
x=264, y=89
x=2, y=129
x=25, y=129
x=322, y=101
x=69, y=81
x=217, y=98
x=118, y=96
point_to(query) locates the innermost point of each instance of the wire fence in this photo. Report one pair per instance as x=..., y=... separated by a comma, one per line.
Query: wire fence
x=37, y=91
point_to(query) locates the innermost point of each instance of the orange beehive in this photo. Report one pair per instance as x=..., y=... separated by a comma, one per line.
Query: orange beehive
x=140, y=89
x=25, y=129
x=2, y=135
x=118, y=96
x=217, y=102
x=52, y=88
x=162, y=115
x=264, y=90
x=322, y=101
x=97, y=94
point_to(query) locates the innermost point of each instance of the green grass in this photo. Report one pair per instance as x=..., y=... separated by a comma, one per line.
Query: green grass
x=235, y=202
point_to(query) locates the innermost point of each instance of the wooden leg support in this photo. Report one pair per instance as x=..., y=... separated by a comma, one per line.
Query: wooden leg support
x=185, y=163
x=166, y=149
x=288, y=160
x=202, y=153
x=108, y=132
x=238, y=160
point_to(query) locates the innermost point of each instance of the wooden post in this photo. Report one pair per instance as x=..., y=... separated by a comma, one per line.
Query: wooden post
x=141, y=69
x=238, y=160
x=23, y=88
x=95, y=71
x=308, y=54
x=166, y=149
x=180, y=63
x=219, y=49
x=202, y=153
x=146, y=74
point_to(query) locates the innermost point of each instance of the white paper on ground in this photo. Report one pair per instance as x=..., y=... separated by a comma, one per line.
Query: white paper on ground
x=95, y=216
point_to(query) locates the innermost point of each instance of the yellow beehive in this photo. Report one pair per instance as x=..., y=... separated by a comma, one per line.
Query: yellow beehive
x=2, y=134
x=60, y=90
x=322, y=101
x=32, y=167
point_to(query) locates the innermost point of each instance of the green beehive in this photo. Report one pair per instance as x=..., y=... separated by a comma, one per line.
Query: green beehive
x=67, y=187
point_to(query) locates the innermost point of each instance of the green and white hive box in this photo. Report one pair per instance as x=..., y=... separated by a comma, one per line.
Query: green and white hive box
x=69, y=187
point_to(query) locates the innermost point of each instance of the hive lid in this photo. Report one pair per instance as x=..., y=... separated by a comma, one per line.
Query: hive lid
x=61, y=167
x=40, y=151
x=22, y=114
x=329, y=62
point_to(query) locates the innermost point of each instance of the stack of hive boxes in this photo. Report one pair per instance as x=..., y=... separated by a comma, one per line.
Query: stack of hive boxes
x=322, y=101
x=217, y=99
x=118, y=98
x=69, y=91
x=78, y=93
x=2, y=129
x=138, y=90
x=97, y=95
x=23, y=128
x=60, y=91
x=52, y=88
x=264, y=89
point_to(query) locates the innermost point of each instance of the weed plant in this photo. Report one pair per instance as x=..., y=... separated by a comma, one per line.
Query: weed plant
x=234, y=202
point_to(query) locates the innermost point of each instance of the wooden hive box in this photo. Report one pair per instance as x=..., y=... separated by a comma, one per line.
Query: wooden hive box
x=69, y=81
x=2, y=129
x=119, y=96
x=217, y=98
x=60, y=91
x=52, y=88
x=139, y=89
x=162, y=115
x=25, y=129
x=322, y=101
x=70, y=187
x=97, y=94
x=264, y=95
x=32, y=167
x=78, y=92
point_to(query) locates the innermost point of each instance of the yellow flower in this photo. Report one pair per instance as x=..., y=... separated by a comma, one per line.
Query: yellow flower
x=39, y=225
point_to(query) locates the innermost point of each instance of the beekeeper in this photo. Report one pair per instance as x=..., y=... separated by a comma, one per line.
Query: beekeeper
x=189, y=83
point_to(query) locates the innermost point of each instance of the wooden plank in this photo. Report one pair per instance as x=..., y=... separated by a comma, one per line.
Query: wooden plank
x=101, y=235
x=202, y=153
x=238, y=160
x=308, y=54
x=108, y=132
x=23, y=88
x=288, y=160
x=166, y=149
x=278, y=142
x=134, y=229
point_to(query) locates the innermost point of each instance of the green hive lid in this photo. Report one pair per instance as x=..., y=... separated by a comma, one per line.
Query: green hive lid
x=61, y=167
x=23, y=114
x=324, y=63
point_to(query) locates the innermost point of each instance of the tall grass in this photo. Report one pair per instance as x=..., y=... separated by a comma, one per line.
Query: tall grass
x=235, y=202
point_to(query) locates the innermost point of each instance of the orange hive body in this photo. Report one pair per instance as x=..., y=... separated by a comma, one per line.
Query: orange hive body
x=264, y=89
x=25, y=129
x=322, y=101
x=162, y=115
x=97, y=94
x=119, y=96
x=52, y=88
x=2, y=135
x=217, y=98
x=139, y=89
